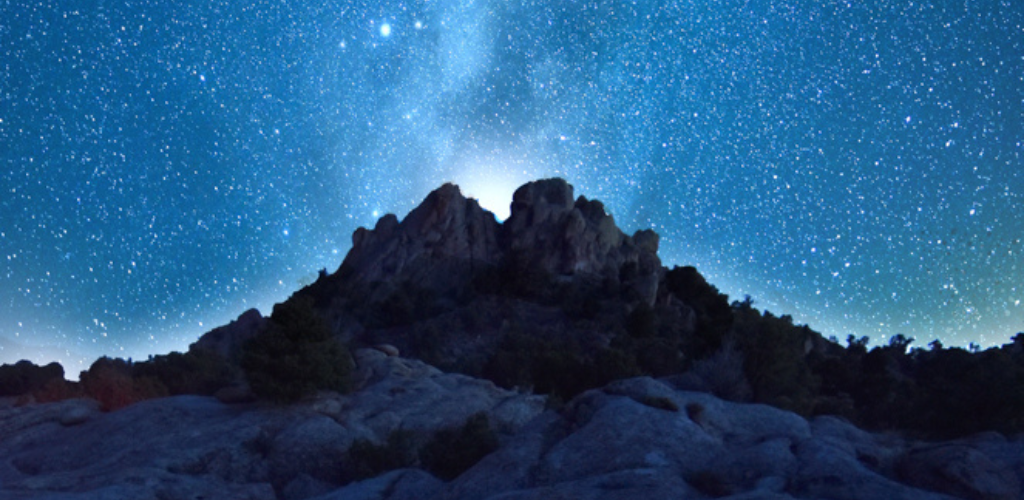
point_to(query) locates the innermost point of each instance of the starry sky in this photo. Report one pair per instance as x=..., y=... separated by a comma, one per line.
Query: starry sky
x=167, y=165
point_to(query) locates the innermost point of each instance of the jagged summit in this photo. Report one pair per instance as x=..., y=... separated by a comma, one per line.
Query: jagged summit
x=549, y=231
x=447, y=228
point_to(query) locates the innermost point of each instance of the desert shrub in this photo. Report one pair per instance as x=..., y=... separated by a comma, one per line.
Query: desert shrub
x=56, y=389
x=714, y=316
x=200, y=372
x=959, y=393
x=110, y=382
x=453, y=451
x=722, y=374
x=295, y=355
x=774, y=364
x=556, y=367
x=519, y=277
x=369, y=459
x=609, y=365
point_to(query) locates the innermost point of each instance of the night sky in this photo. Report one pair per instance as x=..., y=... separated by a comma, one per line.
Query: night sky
x=168, y=165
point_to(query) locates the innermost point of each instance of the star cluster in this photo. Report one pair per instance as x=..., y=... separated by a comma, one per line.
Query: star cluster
x=166, y=166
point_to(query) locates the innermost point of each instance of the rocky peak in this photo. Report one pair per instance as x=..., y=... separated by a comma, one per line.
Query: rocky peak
x=549, y=231
x=446, y=228
x=227, y=340
x=442, y=239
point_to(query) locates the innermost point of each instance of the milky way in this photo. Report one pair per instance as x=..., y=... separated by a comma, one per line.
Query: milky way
x=167, y=166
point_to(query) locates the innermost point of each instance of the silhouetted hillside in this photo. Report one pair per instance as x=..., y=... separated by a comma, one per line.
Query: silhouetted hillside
x=557, y=300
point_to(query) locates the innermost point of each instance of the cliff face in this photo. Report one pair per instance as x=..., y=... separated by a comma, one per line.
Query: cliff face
x=549, y=231
x=444, y=232
x=439, y=244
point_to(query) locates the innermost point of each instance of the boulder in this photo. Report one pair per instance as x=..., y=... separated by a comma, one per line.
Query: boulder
x=315, y=446
x=875, y=452
x=754, y=467
x=958, y=470
x=401, y=484
x=619, y=485
x=828, y=471
x=398, y=393
x=78, y=411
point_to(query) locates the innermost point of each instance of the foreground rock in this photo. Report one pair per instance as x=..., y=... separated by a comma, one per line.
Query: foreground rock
x=640, y=438
x=190, y=447
x=636, y=438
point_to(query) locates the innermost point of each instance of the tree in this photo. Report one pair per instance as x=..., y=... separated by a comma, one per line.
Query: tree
x=295, y=355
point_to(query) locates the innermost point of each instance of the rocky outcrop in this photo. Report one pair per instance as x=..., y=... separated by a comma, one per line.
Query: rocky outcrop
x=549, y=231
x=961, y=470
x=641, y=438
x=445, y=239
x=227, y=340
x=438, y=241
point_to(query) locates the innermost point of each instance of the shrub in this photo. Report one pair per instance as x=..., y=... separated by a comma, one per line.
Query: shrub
x=295, y=355
x=370, y=459
x=452, y=452
x=56, y=390
x=110, y=382
x=722, y=373
x=200, y=372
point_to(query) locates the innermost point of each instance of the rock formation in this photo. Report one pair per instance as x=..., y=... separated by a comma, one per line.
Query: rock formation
x=439, y=244
x=189, y=447
x=443, y=235
x=549, y=231
x=227, y=340
x=635, y=438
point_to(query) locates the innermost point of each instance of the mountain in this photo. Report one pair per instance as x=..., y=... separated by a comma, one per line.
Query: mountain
x=444, y=240
x=451, y=285
x=452, y=356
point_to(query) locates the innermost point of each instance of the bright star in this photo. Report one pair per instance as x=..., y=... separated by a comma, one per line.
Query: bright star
x=385, y=30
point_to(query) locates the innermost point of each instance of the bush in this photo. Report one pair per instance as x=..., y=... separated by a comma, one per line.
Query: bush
x=199, y=372
x=110, y=382
x=722, y=374
x=370, y=459
x=57, y=389
x=452, y=452
x=295, y=355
